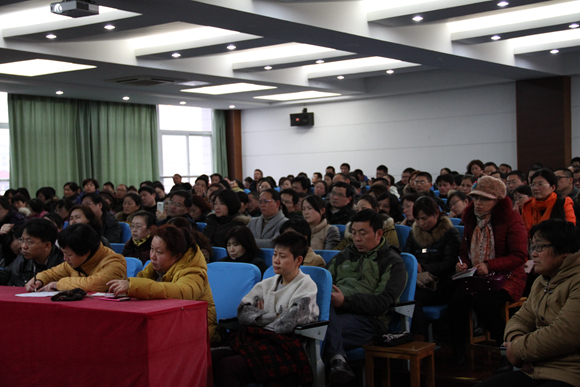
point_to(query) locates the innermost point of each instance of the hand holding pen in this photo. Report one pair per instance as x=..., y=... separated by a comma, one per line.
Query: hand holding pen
x=460, y=266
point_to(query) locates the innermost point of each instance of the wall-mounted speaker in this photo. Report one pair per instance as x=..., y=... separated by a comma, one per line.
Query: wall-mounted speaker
x=302, y=119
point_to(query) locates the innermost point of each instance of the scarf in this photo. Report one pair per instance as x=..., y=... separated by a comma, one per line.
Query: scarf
x=539, y=210
x=482, y=244
x=139, y=242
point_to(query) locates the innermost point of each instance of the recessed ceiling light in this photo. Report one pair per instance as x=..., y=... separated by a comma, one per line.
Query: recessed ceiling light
x=495, y=37
x=298, y=95
x=340, y=77
x=502, y=4
x=418, y=18
x=229, y=89
x=268, y=68
x=59, y=92
x=182, y=103
x=554, y=51
x=109, y=27
x=176, y=55
x=35, y=67
x=51, y=36
x=231, y=47
x=232, y=106
x=390, y=71
x=574, y=25
x=125, y=98
x=319, y=61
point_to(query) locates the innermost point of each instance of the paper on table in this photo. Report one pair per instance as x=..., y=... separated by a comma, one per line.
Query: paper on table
x=97, y=295
x=37, y=294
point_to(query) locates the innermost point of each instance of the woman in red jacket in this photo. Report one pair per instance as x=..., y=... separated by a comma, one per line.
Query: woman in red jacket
x=495, y=240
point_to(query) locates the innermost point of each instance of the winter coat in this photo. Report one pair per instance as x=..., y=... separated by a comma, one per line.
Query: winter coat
x=218, y=227
x=185, y=280
x=92, y=276
x=265, y=233
x=342, y=216
x=141, y=252
x=22, y=270
x=324, y=236
x=111, y=228
x=563, y=208
x=548, y=324
x=313, y=259
x=510, y=240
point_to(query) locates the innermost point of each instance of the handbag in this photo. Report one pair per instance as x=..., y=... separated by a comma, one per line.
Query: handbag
x=493, y=282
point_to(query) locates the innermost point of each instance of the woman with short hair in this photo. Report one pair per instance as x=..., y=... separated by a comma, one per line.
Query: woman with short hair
x=324, y=236
x=131, y=205
x=225, y=217
x=139, y=245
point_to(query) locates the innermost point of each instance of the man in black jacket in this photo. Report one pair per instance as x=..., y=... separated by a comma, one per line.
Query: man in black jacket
x=340, y=204
x=111, y=229
x=37, y=253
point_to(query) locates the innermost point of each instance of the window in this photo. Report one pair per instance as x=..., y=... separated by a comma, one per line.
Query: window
x=185, y=146
x=4, y=144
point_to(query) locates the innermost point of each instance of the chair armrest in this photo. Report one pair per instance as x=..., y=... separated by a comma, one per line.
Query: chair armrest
x=405, y=308
x=315, y=330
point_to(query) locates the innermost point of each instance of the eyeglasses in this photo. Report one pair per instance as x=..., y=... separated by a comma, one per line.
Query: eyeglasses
x=539, y=184
x=538, y=248
x=27, y=242
x=338, y=195
x=172, y=203
x=420, y=182
x=265, y=201
x=136, y=227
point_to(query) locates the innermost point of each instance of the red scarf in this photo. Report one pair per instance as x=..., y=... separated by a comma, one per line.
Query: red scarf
x=536, y=211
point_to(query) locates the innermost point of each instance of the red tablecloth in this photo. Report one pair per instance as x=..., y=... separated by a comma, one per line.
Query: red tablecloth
x=102, y=343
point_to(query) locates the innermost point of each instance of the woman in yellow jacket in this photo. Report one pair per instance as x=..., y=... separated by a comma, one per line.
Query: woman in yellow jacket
x=88, y=264
x=178, y=270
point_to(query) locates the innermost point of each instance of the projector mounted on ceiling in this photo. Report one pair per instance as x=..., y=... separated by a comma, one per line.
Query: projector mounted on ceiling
x=75, y=8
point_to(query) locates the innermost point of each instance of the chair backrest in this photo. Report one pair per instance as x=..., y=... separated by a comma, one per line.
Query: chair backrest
x=247, y=191
x=341, y=229
x=146, y=263
x=200, y=226
x=461, y=230
x=229, y=283
x=118, y=247
x=134, y=266
x=455, y=221
x=327, y=255
x=411, y=265
x=218, y=253
x=266, y=255
x=402, y=234
x=65, y=225
x=323, y=281
x=125, y=232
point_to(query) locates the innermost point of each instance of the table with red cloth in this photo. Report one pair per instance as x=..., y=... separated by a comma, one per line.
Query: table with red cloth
x=102, y=343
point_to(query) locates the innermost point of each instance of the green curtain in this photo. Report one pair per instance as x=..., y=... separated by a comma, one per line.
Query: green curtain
x=55, y=140
x=220, y=152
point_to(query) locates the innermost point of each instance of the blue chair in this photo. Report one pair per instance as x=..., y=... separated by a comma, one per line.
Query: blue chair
x=277, y=189
x=266, y=255
x=316, y=332
x=247, y=190
x=405, y=309
x=435, y=191
x=218, y=253
x=433, y=313
x=341, y=228
x=461, y=230
x=402, y=234
x=200, y=226
x=118, y=247
x=229, y=283
x=444, y=200
x=146, y=263
x=455, y=221
x=125, y=232
x=327, y=255
x=65, y=225
x=134, y=266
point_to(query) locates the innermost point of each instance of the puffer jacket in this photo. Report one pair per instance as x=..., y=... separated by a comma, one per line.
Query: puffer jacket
x=185, y=280
x=371, y=282
x=510, y=240
x=548, y=324
x=92, y=276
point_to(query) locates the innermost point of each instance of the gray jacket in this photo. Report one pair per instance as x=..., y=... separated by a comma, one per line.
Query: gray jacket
x=265, y=234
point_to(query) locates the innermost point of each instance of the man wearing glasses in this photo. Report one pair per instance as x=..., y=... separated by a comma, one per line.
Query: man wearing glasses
x=37, y=253
x=340, y=204
x=179, y=204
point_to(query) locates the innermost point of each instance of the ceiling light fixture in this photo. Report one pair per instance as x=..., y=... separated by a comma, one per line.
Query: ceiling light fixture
x=268, y=53
x=232, y=106
x=390, y=71
x=268, y=68
x=502, y=4
x=417, y=18
x=574, y=25
x=51, y=36
x=319, y=61
x=298, y=95
x=109, y=27
x=229, y=89
x=495, y=37
x=231, y=47
x=176, y=55
x=554, y=51
x=125, y=98
x=36, y=67
x=182, y=103
x=341, y=77
x=59, y=92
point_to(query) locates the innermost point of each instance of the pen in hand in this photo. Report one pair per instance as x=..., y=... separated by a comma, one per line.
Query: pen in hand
x=460, y=261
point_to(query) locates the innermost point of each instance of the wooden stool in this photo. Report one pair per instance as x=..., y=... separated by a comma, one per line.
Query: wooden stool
x=414, y=351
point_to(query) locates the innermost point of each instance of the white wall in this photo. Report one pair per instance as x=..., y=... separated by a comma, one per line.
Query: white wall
x=575, y=116
x=427, y=131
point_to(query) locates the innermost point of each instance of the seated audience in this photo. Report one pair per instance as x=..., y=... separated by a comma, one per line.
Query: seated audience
x=546, y=203
x=542, y=337
x=111, y=229
x=505, y=168
x=120, y=193
x=444, y=184
x=254, y=204
x=71, y=191
x=289, y=199
x=35, y=208
x=266, y=227
x=241, y=247
x=55, y=219
x=10, y=215
x=324, y=236
x=277, y=304
x=521, y=194
x=199, y=209
x=489, y=168
x=390, y=205
x=475, y=168
x=339, y=209
x=148, y=199
x=159, y=190
x=411, y=186
x=328, y=179
x=435, y=243
x=407, y=203
x=424, y=183
x=302, y=227
x=19, y=202
x=301, y=184
x=90, y=186
x=320, y=189
x=467, y=184
x=177, y=270
x=83, y=214
x=47, y=196
x=38, y=252
x=368, y=277
x=200, y=240
x=514, y=180
x=565, y=186
x=139, y=246
x=495, y=240
x=201, y=185
x=131, y=205
x=178, y=206
x=457, y=202
x=88, y=264
x=401, y=184
x=226, y=207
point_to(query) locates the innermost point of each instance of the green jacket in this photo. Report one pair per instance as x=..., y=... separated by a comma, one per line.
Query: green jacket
x=371, y=282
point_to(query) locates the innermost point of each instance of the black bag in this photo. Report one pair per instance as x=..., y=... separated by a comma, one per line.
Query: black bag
x=393, y=339
x=493, y=282
x=70, y=295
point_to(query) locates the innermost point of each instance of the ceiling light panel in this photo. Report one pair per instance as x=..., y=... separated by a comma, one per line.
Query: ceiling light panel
x=296, y=96
x=354, y=66
x=229, y=89
x=36, y=67
x=183, y=36
x=545, y=42
x=288, y=50
x=386, y=9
